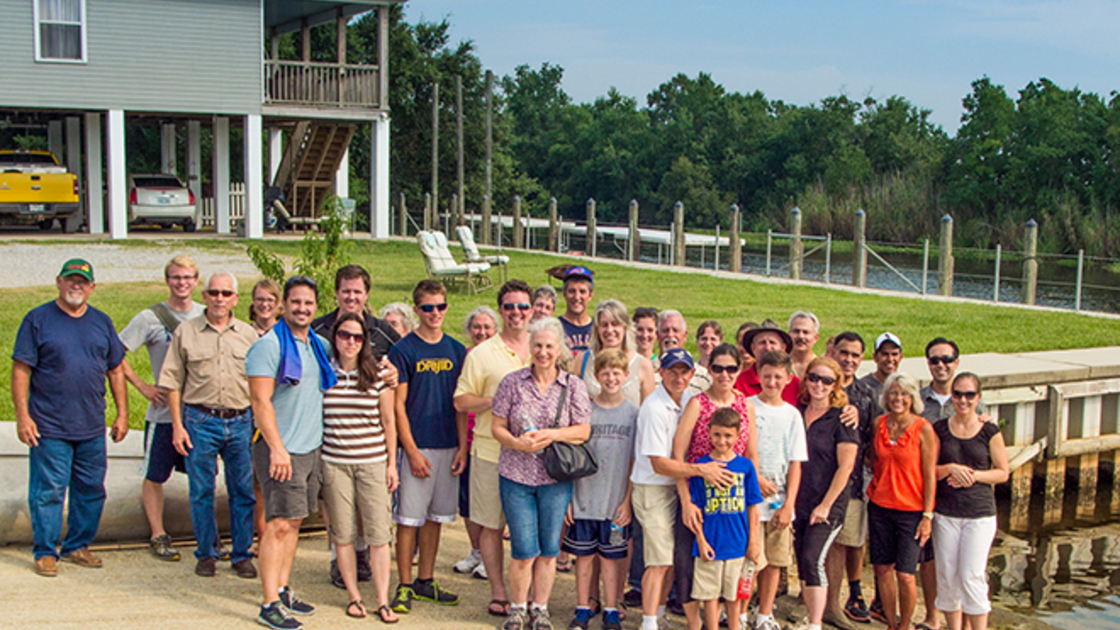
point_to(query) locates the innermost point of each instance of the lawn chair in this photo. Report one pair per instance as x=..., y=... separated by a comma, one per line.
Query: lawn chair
x=441, y=266
x=470, y=250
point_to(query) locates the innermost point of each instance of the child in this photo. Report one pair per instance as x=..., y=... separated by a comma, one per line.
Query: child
x=730, y=523
x=781, y=449
x=599, y=515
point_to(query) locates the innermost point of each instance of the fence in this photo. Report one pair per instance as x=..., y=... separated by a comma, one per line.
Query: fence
x=236, y=206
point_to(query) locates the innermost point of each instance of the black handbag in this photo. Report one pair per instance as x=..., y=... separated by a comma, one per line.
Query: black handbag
x=564, y=461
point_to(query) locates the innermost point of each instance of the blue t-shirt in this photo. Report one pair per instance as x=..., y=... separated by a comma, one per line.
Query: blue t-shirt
x=578, y=337
x=432, y=373
x=726, y=525
x=69, y=357
x=299, y=408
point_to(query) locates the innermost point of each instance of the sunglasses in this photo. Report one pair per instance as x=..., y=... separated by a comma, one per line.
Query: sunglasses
x=965, y=395
x=946, y=359
x=222, y=292
x=721, y=369
x=349, y=336
x=428, y=308
x=304, y=280
x=521, y=306
x=817, y=378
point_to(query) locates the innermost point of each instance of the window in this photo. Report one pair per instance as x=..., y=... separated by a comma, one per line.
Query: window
x=60, y=33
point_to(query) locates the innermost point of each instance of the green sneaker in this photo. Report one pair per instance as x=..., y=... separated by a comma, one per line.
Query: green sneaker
x=402, y=601
x=431, y=591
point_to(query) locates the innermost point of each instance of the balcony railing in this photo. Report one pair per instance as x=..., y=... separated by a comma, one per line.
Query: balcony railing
x=321, y=84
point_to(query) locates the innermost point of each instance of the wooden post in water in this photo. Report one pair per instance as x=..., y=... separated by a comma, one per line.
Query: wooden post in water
x=429, y=219
x=945, y=258
x=486, y=230
x=1055, y=491
x=518, y=233
x=859, y=256
x=678, y=234
x=1030, y=263
x=736, y=256
x=1114, y=505
x=795, y=246
x=592, y=229
x=1023, y=435
x=553, y=227
x=1090, y=427
x=635, y=241
x=435, y=155
x=403, y=218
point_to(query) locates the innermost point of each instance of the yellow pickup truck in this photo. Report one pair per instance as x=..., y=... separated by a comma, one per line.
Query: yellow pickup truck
x=34, y=188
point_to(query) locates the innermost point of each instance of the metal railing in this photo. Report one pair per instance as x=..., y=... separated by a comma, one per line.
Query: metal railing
x=321, y=84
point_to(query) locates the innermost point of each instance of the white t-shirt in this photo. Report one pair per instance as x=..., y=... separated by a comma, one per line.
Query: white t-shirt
x=146, y=330
x=657, y=426
x=781, y=440
x=941, y=398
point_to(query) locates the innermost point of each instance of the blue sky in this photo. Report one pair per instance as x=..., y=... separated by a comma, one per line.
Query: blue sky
x=928, y=51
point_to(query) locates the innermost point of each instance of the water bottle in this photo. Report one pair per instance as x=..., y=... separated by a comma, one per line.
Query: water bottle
x=616, y=535
x=529, y=429
x=746, y=581
x=776, y=501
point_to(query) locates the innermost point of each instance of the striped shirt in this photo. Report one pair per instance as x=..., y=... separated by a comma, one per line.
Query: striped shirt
x=352, y=430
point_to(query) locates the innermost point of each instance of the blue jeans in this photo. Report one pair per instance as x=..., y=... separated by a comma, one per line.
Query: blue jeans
x=535, y=515
x=57, y=465
x=212, y=436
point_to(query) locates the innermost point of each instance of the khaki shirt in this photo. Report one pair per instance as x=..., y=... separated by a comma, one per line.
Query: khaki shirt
x=207, y=365
x=484, y=368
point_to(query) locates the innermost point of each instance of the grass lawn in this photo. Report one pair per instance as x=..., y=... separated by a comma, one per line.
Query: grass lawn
x=397, y=266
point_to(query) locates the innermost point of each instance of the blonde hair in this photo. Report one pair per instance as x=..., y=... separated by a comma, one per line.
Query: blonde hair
x=186, y=262
x=906, y=383
x=617, y=312
x=553, y=325
x=837, y=397
x=612, y=358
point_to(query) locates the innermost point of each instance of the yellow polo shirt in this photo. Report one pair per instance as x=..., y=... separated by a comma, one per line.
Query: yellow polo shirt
x=485, y=367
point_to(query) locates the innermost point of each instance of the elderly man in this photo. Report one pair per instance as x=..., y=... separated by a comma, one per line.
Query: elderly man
x=63, y=353
x=805, y=331
x=672, y=332
x=579, y=288
x=152, y=328
x=208, y=397
x=759, y=341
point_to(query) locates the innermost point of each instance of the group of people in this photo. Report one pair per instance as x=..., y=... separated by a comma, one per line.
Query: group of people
x=757, y=456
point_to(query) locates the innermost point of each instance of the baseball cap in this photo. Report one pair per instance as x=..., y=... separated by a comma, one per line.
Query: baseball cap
x=77, y=266
x=887, y=337
x=580, y=272
x=675, y=356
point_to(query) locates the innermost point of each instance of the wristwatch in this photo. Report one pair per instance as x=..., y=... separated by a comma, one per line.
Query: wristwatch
x=928, y=515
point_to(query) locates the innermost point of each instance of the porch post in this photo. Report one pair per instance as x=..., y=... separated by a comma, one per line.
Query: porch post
x=220, y=155
x=194, y=158
x=74, y=165
x=254, y=170
x=95, y=200
x=379, y=177
x=169, y=150
x=342, y=176
x=275, y=152
x=118, y=192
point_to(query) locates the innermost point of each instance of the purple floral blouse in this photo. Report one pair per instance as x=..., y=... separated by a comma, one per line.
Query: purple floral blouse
x=520, y=401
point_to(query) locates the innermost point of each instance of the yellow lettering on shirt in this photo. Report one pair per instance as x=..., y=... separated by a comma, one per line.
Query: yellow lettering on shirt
x=434, y=365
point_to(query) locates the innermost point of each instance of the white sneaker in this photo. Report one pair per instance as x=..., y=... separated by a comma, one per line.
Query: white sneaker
x=479, y=572
x=767, y=624
x=468, y=564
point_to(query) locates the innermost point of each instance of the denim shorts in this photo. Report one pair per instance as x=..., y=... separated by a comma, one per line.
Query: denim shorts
x=535, y=515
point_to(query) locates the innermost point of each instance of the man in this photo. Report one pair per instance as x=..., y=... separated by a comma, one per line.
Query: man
x=484, y=368
x=672, y=331
x=433, y=436
x=288, y=370
x=805, y=331
x=887, y=357
x=63, y=353
x=208, y=397
x=152, y=328
x=759, y=341
x=579, y=288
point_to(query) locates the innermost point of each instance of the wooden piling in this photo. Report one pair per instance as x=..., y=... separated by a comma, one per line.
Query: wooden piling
x=403, y=218
x=1114, y=504
x=1030, y=262
x=635, y=241
x=1090, y=427
x=518, y=233
x=796, y=247
x=592, y=229
x=553, y=227
x=736, y=255
x=678, y=234
x=1023, y=433
x=1055, y=491
x=859, y=262
x=945, y=258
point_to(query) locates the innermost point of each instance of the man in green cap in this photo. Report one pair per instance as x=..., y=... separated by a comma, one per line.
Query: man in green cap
x=63, y=353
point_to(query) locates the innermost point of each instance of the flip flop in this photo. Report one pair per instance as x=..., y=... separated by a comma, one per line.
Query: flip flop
x=503, y=608
x=924, y=626
x=383, y=613
x=356, y=604
x=564, y=567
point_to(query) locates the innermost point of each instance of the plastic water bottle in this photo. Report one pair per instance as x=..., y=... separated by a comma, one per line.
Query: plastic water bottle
x=616, y=535
x=529, y=429
x=776, y=501
x=746, y=581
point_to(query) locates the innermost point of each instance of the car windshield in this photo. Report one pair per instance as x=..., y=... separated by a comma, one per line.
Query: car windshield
x=8, y=159
x=156, y=182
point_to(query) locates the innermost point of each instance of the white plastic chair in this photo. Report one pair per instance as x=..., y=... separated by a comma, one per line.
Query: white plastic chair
x=470, y=250
x=441, y=266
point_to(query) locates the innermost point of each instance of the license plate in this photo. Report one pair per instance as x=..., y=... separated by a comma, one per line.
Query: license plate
x=164, y=200
x=35, y=208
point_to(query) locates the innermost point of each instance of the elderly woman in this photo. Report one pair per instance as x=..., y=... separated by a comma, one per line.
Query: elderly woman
x=544, y=302
x=399, y=316
x=611, y=328
x=971, y=461
x=264, y=311
x=901, y=495
x=534, y=407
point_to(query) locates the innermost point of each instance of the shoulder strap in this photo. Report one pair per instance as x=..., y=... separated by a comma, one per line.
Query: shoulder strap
x=560, y=402
x=163, y=314
x=583, y=367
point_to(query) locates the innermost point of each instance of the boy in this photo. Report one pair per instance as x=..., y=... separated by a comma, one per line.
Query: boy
x=599, y=515
x=730, y=523
x=781, y=449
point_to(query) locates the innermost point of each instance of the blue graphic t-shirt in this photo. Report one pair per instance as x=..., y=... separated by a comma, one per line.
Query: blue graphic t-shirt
x=578, y=337
x=432, y=373
x=726, y=525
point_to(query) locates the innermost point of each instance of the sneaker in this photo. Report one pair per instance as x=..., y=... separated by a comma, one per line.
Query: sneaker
x=856, y=610
x=876, y=611
x=294, y=604
x=431, y=591
x=402, y=601
x=582, y=618
x=539, y=619
x=480, y=573
x=517, y=619
x=612, y=620
x=160, y=546
x=837, y=620
x=274, y=616
x=336, y=575
x=365, y=571
x=468, y=564
x=206, y=567
x=223, y=551
x=767, y=624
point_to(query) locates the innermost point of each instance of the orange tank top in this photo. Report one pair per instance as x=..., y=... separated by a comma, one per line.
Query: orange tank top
x=897, y=483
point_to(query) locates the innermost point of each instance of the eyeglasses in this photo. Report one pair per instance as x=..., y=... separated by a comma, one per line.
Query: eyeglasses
x=817, y=378
x=222, y=292
x=965, y=395
x=722, y=369
x=521, y=306
x=428, y=308
x=945, y=358
x=349, y=336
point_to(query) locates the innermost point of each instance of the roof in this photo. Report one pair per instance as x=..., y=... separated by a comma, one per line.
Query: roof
x=286, y=16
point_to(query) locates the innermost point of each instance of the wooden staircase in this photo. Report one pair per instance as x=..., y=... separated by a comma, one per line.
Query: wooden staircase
x=312, y=157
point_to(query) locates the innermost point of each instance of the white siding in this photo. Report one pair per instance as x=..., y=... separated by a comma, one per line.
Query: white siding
x=186, y=56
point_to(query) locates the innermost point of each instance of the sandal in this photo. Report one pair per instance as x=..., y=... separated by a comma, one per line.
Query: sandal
x=386, y=614
x=565, y=566
x=361, y=608
x=501, y=611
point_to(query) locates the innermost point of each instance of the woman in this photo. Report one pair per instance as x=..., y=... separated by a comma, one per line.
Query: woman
x=822, y=501
x=359, y=467
x=971, y=461
x=901, y=495
x=645, y=333
x=534, y=407
x=399, y=316
x=748, y=359
x=265, y=308
x=708, y=336
x=480, y=325
x=611, y=328
x=544, y=303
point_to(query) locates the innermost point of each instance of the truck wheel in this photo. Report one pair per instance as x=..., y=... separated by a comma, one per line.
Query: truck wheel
x=47, y=224
x=189, y=226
